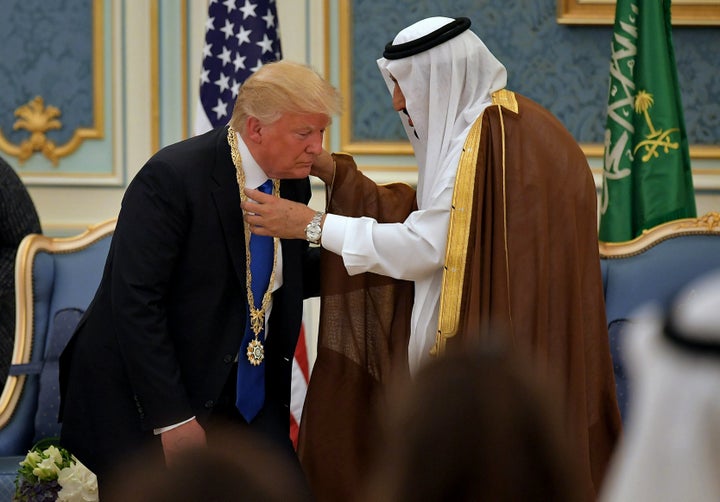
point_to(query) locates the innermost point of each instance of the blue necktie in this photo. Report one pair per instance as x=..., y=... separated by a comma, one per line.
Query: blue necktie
x=251, y=379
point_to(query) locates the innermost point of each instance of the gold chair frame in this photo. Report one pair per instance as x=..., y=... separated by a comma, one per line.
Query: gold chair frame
x=707, y=224
x=30, y=246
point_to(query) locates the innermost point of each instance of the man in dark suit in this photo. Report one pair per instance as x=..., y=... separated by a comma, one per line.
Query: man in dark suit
x=153, y=364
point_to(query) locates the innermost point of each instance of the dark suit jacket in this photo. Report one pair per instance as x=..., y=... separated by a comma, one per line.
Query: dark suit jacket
x=159, y=340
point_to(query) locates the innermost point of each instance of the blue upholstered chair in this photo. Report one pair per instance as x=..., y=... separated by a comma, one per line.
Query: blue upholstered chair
x=55, y=279
x=653, y=268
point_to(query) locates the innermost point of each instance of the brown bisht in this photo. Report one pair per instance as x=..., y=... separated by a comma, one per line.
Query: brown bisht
x=362, y=345
x=522, y=267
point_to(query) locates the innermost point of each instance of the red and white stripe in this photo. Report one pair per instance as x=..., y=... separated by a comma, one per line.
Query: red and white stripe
x=298, y=387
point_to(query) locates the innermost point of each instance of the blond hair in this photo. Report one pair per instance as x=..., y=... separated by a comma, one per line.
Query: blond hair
x=283, y=87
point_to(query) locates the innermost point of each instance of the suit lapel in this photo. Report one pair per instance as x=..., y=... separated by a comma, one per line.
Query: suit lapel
x=227, y=202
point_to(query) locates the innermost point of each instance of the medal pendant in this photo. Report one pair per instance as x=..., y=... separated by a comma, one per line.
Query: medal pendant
x=255, y=352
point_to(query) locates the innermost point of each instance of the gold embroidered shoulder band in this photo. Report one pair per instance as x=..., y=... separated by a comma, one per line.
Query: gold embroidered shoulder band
x=459, y=229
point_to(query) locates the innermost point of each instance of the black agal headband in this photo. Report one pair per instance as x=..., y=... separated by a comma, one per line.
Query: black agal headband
x=433, y=39
x=683, y=341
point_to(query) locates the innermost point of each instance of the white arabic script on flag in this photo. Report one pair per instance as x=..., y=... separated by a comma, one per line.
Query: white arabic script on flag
x=240, y=36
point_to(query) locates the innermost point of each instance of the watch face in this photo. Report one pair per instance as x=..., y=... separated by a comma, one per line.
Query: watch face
x=313, y=233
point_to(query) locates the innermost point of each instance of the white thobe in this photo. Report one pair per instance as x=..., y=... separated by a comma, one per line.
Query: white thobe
x=413, y=250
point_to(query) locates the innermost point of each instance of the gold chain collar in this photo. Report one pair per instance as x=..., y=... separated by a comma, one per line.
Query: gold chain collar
x=255, y=350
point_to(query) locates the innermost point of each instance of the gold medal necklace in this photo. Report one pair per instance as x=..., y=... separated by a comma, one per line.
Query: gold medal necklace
x=255, y=350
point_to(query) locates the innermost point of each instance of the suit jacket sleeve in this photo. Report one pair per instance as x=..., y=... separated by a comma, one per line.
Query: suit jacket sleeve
x=147, y=241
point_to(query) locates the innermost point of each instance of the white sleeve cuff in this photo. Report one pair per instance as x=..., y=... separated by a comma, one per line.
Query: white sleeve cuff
x=333, y=233
x=171, y=427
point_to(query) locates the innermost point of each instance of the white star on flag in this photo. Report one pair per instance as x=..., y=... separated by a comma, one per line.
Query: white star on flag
x=237, y=43
x=248, y=9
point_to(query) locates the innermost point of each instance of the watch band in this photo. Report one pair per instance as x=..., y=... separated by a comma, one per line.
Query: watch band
x=313, y=230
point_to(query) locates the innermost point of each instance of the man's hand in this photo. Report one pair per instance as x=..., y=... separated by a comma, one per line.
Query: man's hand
x=270, y=215
x=182, y=437
x=324, y=167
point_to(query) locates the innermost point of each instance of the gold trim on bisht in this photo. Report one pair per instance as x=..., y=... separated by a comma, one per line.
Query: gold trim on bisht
x=458, y=232
x=506, y=99
x=459, y=229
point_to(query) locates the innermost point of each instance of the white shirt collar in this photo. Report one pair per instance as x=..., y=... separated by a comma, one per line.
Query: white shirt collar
x=254, y=175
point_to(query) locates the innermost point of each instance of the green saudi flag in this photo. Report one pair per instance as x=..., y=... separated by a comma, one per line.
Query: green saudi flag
x=647, y=177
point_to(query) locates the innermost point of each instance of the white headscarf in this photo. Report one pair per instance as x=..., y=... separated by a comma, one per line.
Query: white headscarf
x=671, y=445
x=446, y=88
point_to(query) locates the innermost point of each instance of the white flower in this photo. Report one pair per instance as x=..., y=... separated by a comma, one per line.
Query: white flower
x=78, y=484
x=53, y=453
x=46, y=469
x=32, y=459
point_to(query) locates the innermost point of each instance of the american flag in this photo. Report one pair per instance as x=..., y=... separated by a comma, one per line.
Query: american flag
x=239, y=39
x=298, y=390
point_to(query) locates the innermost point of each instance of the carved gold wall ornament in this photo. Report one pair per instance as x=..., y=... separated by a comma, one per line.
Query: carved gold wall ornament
x=38, y=119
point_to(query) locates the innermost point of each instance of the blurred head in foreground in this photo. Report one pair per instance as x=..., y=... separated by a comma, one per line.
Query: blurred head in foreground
x=476, y=425
x=670, y=447
x=238, y=466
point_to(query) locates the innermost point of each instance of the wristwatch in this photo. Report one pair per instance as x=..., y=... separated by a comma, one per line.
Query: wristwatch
x=313, y=230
